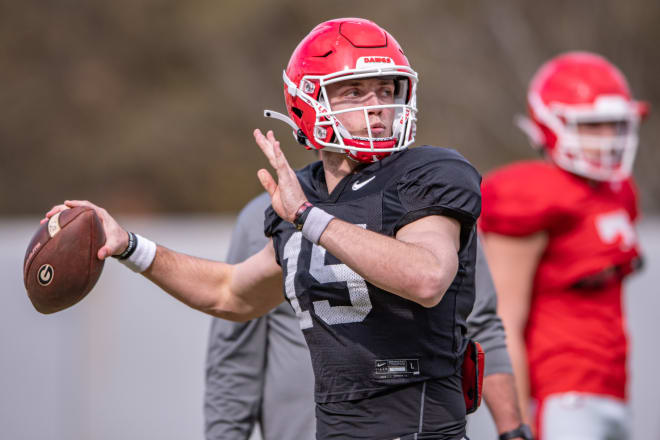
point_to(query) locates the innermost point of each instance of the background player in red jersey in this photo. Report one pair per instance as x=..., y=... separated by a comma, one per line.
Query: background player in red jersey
x=560, y=239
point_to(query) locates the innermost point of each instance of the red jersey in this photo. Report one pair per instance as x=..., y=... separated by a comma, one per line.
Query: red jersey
x=575, y=333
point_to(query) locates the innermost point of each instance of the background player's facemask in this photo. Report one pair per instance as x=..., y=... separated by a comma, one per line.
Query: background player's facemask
x=606, y=156
x=582, y=114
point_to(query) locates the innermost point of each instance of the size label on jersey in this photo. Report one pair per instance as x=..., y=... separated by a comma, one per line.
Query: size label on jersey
x=396, y=368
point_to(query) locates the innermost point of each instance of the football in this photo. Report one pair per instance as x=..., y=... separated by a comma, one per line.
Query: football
x=61, y=264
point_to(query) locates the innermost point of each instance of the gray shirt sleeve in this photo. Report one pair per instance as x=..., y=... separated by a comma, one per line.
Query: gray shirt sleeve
x=236, y=355
x=484, y=325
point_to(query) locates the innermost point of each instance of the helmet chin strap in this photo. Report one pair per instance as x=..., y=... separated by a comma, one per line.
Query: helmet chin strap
x=533, y=132
x=302, y=139
x=282, y=117
x=297, y=132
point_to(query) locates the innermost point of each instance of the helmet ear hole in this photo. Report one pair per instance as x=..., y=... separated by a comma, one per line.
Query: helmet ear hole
x=302, y=139
x=297, y=111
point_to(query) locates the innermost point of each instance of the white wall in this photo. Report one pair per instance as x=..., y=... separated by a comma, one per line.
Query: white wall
x=128, y=361
x=125, y=363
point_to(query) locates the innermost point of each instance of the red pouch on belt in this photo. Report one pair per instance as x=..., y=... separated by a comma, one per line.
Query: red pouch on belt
x=473, y=375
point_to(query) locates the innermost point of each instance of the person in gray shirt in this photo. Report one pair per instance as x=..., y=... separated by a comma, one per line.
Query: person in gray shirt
x=261, y=371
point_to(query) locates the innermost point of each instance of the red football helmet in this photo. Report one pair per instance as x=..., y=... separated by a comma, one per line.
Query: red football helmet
x=575, y=91
x=340, y=50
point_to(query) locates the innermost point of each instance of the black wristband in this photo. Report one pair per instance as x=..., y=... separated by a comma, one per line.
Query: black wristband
x=301, y=215
x=132, y=245
x=521, y=432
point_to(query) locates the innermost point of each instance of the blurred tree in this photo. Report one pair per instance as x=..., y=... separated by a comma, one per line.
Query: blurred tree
x=149, y=106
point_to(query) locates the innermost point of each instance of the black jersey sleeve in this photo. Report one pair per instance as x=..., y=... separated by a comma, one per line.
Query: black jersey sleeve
x=443, y=183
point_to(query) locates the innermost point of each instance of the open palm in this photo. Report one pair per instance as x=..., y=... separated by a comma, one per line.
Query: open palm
x=286, y=193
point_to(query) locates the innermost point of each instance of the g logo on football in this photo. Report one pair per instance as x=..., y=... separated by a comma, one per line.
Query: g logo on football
x=45, y=274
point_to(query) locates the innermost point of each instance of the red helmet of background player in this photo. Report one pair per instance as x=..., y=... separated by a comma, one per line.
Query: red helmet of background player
x=584, y=88
x=340, y=50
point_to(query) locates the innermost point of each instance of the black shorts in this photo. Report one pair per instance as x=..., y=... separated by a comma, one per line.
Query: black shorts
x=434, y=409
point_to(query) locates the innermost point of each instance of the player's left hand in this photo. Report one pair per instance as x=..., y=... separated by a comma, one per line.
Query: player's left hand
x=286, y=194
x=116, y=237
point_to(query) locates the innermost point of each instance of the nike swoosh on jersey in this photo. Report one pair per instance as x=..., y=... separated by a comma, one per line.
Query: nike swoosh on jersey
x=357, y=185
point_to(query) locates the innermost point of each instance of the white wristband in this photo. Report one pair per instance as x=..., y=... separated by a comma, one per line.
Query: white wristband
x=142, y=257
x=315, y=223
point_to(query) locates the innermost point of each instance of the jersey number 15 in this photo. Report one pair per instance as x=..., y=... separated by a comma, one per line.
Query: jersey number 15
x=325, y=273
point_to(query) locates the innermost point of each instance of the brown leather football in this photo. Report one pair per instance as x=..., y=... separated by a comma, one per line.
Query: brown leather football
x=61, y=264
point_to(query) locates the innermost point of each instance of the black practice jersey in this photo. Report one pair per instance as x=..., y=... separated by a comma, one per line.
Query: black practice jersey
x=363, y=339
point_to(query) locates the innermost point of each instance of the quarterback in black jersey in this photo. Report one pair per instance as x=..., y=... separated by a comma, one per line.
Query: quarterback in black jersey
x=367, y=340
x=374, y=245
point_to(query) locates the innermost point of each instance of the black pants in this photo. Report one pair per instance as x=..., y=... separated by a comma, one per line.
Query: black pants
x=434, y=409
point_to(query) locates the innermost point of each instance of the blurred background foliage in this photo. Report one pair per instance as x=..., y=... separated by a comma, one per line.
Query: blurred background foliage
x=149, y=106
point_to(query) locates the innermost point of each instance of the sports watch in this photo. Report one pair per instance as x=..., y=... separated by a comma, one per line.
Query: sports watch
x=301, y=215
x=521, y=432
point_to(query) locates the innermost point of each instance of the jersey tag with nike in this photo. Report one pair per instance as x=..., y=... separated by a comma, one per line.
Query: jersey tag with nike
x=396, y=368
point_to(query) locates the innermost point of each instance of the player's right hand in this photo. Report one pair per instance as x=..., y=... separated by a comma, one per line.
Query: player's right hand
x=286, y=194
x=116, y=237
